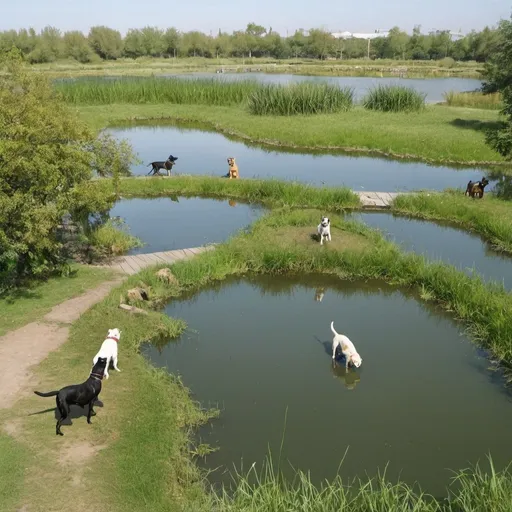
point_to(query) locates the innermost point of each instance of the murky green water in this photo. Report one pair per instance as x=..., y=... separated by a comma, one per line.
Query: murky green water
x=423, y=399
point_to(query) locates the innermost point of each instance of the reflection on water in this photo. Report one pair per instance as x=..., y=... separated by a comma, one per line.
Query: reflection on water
x=204, y=153
x=169, y=223
x=260, y=349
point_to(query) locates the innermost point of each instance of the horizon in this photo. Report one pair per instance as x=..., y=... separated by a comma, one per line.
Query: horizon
x=229, y=17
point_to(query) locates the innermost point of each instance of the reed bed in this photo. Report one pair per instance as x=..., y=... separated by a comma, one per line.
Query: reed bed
x=300, y=99
x=153, y=90
x=394, y=98
x=475, y=99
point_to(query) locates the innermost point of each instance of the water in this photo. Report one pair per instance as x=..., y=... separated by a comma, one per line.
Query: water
x=433, y=88
x=439, y=241
x=423, y=398
x=165, y=224
x=205, y=153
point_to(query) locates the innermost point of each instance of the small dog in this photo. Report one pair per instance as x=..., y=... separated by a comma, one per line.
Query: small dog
x=476, y=188
x=347, y=349
x=167, y=165
x=78, y=394
x=324, y=230
x=108, y=350
x=233, y=169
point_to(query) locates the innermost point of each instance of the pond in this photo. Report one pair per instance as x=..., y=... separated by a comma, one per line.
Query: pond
x=165, y=224
x=441, y=241
x=204, y=153
x=259, y=349
x=432, y=87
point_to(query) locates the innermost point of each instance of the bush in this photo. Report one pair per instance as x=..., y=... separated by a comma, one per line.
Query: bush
x=47, y=157
x=302, y=98
x=394, y=98
x=112, y=238
x=447, y=62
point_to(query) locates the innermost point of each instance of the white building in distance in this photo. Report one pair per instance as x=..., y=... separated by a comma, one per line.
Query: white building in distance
x=360, y=35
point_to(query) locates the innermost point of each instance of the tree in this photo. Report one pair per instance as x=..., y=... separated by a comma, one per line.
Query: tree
x=498, y=78
x=152, y=41
x=77, y=46
x=133, y=46
x=171, y=42
x=47, y=156
x=321, y=43
x=106, y=42
x=298, y=43
x=396, y=43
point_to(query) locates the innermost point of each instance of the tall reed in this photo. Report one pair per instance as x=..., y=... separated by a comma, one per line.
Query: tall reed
x=394, y=98
x=474, y=99
x=156, y=90
x=301, y=98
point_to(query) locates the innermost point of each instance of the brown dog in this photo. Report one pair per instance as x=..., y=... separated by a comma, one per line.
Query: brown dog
x=476, y=188
x=233, y=168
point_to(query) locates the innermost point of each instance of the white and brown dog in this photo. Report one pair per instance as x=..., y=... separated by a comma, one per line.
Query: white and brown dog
x=347, y=349
x=108, y=350
x=324, y=230
x=233, y=172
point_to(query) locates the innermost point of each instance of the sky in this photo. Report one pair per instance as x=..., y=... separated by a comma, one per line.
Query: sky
x=229, y=15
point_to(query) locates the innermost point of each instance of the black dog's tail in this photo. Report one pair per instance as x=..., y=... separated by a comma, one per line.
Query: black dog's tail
x=149, y=165
x=50, y=393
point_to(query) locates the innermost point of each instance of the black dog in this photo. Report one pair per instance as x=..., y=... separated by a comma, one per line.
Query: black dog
x=79, y=394
x=476, y=188
x=167, y=165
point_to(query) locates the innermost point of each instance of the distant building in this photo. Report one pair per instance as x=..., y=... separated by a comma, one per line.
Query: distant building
x=360, y=35
x=454, y=36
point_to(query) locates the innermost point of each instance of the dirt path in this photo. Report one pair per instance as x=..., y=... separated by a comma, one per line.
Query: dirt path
x=29, y=345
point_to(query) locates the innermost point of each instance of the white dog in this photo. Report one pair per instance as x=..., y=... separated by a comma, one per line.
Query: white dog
x=109, y=350
x=347, y=348
x=324, y=230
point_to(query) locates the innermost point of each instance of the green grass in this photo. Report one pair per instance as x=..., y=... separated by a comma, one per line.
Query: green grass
x=29, y=304
x=112, y=239
x=440, y=134
x=267, y=192
x=394, y=98
x=474, y=100
x=152, y=90
x=12, y=463
x=302, y=98
x=490, y=217
x=146, y=462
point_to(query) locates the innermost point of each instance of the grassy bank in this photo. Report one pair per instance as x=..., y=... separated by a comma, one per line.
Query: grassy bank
x=139, y=460
x=112, y=239
x=491, y=218
x=267, y=192
x=28, y=304
x=438, y=135
x=353, y=67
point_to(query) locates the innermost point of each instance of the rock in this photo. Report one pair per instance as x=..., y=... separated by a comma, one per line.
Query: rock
x=137, y=294
x=166, y=276
x=133, y=309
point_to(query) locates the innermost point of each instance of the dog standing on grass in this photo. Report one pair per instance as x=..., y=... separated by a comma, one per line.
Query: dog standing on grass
x=167, y=165
x=78, y=394
x=347, y=349
x=324, y=230
x=108, y=350
x=476, y=188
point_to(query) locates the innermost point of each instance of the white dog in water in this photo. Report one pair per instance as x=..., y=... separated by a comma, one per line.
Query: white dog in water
x=109, y=350
x=324, y=229
x=347, y=348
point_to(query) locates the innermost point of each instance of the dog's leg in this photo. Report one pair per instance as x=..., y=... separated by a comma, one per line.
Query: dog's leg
x=329, y=236
x=105, y=373
x=91, y=411
x=115, y=364
x=64, y=413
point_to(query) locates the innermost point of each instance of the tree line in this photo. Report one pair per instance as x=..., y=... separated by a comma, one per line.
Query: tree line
x=104, y=43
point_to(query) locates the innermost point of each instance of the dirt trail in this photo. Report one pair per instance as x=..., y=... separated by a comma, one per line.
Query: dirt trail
x=29, y=345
